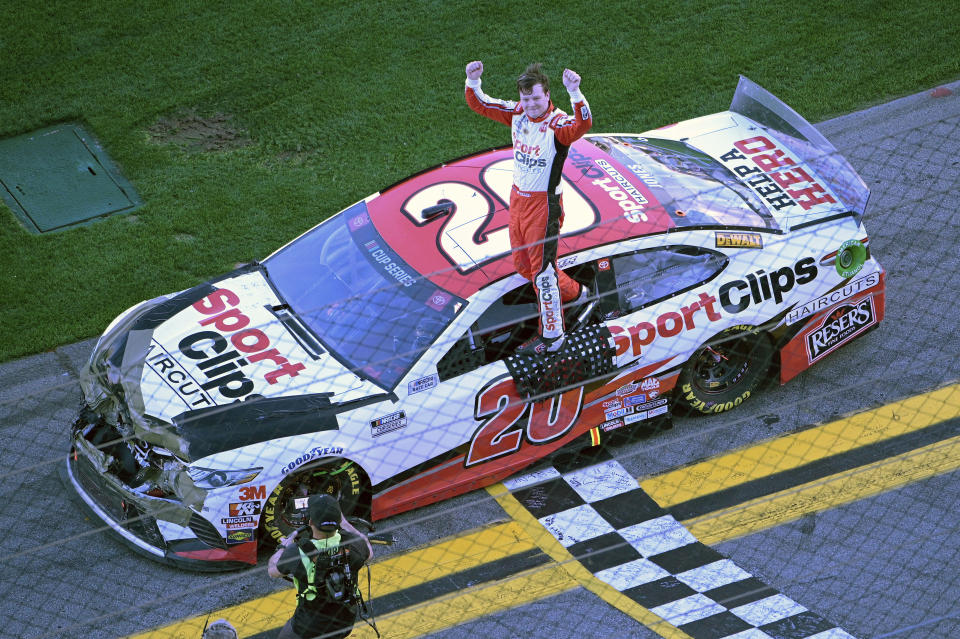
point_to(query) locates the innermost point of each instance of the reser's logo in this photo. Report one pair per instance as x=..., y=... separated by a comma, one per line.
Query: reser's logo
x=223, y=366
x=841, y=325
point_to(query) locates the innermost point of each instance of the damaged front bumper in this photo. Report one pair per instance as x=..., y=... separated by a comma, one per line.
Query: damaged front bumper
x=108, y=474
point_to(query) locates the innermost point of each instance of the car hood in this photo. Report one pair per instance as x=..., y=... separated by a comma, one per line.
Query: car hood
x=201, y=371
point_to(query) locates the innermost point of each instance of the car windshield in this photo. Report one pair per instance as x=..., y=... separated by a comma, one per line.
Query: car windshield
x=370, y=309
x=696, y=189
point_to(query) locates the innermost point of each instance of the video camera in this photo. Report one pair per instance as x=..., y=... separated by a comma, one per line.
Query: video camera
x=337, y=576
x=333, y=568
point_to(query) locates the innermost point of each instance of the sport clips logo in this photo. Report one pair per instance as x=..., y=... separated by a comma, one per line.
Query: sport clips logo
x=222, y=354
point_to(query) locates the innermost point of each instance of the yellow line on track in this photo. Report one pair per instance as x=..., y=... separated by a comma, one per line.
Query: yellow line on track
x=829, y=492
x=451, y=556
x=792, y=451
x=756, y=515
x=578, y=574
x=474, y=549
x=469, y=604
x=391, y=574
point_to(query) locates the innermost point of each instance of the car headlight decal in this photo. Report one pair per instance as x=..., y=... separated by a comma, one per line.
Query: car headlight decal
x=212, y=478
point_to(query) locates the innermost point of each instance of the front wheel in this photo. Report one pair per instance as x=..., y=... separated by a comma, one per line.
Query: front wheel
x=341, y=479
x=723, y=373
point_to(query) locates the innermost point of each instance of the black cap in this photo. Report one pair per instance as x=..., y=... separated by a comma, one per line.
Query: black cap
x=324, y=512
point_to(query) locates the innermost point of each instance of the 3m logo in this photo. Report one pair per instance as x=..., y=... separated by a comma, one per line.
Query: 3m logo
x=248, y=493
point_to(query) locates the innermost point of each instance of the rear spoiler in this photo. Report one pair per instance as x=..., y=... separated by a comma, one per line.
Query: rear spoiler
x=774, y=116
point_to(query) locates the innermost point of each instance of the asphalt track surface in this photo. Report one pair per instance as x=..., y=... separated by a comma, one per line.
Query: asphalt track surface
x=880, y=562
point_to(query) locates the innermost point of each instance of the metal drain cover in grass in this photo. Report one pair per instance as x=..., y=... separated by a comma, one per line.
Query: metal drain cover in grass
x=59, y=177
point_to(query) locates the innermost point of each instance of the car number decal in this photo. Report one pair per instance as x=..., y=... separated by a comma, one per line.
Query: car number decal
x=466, y=237
x=502, y=413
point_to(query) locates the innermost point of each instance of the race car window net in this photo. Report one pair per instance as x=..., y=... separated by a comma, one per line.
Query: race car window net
x=771, y=113
x=506, y=324
x=369, y=308
x=496, y=334
x=694, y=188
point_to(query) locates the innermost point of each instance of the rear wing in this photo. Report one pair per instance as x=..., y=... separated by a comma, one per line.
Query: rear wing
x=774, y=116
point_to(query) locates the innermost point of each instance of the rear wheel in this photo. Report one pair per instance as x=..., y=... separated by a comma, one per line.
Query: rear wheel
x=339, y=478
x=725, y=372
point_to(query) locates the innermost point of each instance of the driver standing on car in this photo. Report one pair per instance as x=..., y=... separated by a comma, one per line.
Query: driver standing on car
x=542, y=135
x=318, y=613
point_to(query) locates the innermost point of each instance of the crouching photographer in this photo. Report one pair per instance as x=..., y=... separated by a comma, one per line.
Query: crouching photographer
x=324, y=560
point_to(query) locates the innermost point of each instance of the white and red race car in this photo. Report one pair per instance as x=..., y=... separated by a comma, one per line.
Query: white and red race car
x=373, y=357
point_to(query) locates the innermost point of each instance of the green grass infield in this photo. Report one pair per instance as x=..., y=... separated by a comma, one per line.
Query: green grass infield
x=242, y=124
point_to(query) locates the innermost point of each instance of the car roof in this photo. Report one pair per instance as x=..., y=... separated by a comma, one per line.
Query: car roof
x=466, y=250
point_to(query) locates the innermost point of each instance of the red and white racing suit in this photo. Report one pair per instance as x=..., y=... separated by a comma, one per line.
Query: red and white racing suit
x=539, y=149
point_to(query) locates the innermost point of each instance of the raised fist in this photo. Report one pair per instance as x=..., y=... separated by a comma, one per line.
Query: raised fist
x=474, y=70
x=571, y=80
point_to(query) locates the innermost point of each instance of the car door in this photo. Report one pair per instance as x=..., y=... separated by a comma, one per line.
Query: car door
x=459, y=421
x=654, y=302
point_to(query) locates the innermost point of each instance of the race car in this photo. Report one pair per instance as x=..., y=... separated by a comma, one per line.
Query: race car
x=374, y=357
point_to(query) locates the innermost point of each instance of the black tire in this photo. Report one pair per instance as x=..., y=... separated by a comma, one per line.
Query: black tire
x=339, y=478
x=725, y=372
